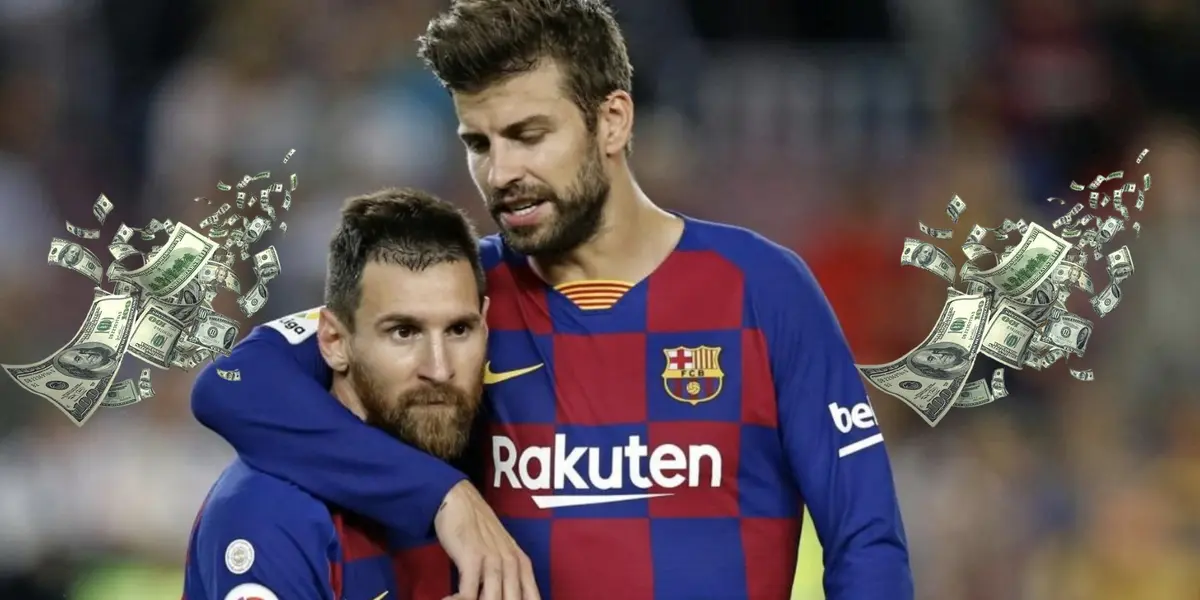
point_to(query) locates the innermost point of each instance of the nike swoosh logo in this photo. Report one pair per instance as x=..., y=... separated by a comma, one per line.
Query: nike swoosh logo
x=491, y=377
x=380, y=597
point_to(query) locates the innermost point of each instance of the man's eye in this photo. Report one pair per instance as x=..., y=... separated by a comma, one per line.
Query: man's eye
x=476, y=146
x=532, y=138
x=404, y=332
x=460, y=330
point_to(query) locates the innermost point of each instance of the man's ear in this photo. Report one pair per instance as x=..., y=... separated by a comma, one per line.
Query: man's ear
x=616, y=123
x=333, y=338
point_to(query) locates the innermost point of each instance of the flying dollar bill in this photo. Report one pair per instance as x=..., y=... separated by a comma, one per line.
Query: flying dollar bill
x=928, y=257
x=929, y=378
x=1007, y=336
x=70, y=255
x=176, y=265
x=77, y=377
x=1029, y=264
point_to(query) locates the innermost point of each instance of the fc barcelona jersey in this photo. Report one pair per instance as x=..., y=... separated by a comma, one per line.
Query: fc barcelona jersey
x=644, y=440
x=636, y=444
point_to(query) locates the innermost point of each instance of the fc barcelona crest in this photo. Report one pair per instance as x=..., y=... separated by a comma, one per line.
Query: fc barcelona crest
x=693, y=375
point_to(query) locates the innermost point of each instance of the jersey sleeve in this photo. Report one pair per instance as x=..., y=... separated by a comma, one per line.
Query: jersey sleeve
x=833, y=444
x=279, y=416
x=267, y=545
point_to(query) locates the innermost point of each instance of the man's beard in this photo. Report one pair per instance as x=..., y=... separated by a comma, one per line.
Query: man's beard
x=577, y=216
x=435, y=417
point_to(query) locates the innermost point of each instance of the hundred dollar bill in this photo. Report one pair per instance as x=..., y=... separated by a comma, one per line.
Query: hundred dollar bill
x=253, y=300
x=76, y=378
x=266, y=264
x=1067, y=218
x=100, y=209
x=954, y=209
x=1084, y=375
x=120, y=251
x=973, y=394
x=928, y=257
x=1120, y=264
x=144, y=389
x=1029, y=265
x=155, y=336
x=123, y=235
x=215, y=331
x=83, y=233
x=974, y=250
x=1142, y=155
x=935, y=233
x=1069, y=332
x=999, y=389
x=122, y=393
x=1107, y=300
x=256, y=229
x=930, y=376
x=175, y=265
x=70, y=255
x=1007, y=336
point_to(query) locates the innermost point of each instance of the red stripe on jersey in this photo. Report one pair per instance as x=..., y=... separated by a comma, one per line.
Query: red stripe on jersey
x=625, y=569
x=600, y=379
x=422, y=573
x=673, y=303
x=769, y=549
x=759, y=406
x=360, y=538
x=518, y=300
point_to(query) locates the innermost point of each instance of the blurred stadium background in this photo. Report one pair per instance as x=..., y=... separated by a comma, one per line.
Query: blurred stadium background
x=830, y=126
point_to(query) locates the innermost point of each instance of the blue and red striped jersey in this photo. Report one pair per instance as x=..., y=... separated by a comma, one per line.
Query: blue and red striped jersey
x=655, y=440
x=258, y=537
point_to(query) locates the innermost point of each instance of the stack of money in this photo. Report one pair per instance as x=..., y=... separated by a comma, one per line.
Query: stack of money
x=161, y=311
x=1015, y=312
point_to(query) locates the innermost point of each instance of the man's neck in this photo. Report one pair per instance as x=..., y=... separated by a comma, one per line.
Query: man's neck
x=345, y=394
x=634, y=238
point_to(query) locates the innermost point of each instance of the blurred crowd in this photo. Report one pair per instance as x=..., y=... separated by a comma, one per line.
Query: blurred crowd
x=831, y=127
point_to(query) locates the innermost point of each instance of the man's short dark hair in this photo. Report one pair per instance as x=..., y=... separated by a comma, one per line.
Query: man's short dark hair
x=400, y=226
x=478, y=43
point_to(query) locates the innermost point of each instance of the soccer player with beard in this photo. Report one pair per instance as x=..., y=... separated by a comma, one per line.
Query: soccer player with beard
x=403, y=337
x=664, y=395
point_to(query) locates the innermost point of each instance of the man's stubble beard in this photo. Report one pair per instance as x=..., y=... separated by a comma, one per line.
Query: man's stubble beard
x=435, y=418
x=577, y=217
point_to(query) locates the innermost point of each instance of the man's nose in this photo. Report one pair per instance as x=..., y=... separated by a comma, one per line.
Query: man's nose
x=507, y=167
x=436, y=364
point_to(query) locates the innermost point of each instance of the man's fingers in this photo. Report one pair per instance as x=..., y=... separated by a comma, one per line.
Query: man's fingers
x=529, y=589
x=469, y=580
x=493, y=579
x=512, y=577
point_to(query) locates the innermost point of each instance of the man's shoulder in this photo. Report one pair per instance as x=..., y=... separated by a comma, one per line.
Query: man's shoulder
x=760, y=260
x=295, y=328
x=491, y=251
x=245, y=498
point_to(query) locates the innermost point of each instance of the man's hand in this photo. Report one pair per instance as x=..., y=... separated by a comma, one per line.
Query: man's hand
x=490, y=565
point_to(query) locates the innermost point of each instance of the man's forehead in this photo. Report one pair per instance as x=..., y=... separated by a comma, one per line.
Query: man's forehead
x=448, y=285
x=512, y=100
